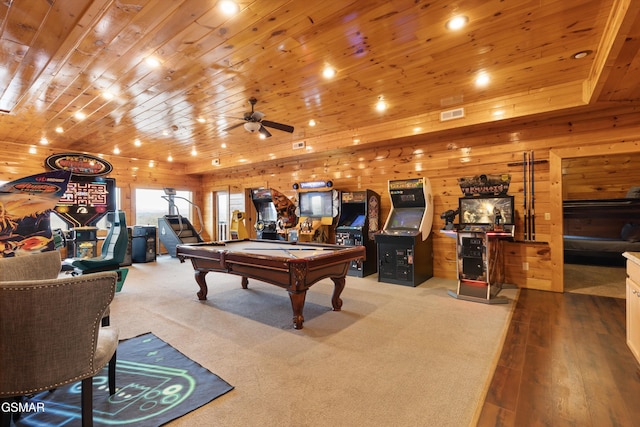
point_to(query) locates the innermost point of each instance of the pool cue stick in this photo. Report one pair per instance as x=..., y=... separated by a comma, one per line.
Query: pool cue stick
x=524, y=165
x=533, y=200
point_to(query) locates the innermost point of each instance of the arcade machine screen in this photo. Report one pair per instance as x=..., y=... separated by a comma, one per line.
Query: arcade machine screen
x=86, y=201
x=405, y=219
x=358, y=222
x=263, y=202
x=480, y=210
x=316, y=204
x=267, y=212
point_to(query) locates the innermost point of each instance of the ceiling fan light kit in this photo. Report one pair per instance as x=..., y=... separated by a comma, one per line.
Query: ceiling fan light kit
x=254, y=123
x=252, y=126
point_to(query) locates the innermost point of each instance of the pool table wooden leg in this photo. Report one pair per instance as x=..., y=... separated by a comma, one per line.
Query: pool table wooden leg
x=202, y=293
x=297, y=304
x=337, y=290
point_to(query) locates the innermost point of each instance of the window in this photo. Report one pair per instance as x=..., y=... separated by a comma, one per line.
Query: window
x=153, y=204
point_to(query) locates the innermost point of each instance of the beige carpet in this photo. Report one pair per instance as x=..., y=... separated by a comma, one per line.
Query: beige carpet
x=394, y=356
x=595, y=280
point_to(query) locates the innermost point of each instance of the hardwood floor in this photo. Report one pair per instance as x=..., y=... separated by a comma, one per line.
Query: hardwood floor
x=565, y=362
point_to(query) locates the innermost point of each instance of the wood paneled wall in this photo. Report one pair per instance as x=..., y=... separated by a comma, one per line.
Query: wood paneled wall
x=445, y=157
x=594, y=178
x=442, y=157
x=18, y=160
x=600, y=177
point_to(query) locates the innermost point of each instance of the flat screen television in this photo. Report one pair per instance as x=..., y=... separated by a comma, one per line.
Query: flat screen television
x=481, y=210
x=405, y=219
x=316, y=204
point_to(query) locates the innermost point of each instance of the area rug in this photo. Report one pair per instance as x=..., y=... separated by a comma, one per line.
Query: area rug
x=155, y=384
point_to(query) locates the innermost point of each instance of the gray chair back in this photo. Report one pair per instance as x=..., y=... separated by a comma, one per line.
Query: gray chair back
x=49, y=331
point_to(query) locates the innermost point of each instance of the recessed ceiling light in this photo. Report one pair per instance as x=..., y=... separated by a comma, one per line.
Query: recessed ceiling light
x=137, y=142
x=229, y=7
x=381, y=105
x=170, y=158
x=328, y=72
x=312, y=122
x=482, y=79
x=59, y=129
x=152, y=61
x=457, y=22
x=582, y=54
x=116, y=150
x=44, y=141
x=80, y=115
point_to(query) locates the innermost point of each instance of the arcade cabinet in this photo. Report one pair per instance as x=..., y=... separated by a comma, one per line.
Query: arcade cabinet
x=318, y=208
x=267, y=216
x=25, y=213
x=358, y=223
x=85, y=202
x=237, y=229
x=175, y=229
x=405, y=245
x=485, y=221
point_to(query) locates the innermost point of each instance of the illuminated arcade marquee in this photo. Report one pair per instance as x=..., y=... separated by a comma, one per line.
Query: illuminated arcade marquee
x=89, y=194
x=86, y=201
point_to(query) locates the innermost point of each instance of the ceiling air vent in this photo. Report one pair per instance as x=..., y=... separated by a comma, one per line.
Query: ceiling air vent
x=458, y=113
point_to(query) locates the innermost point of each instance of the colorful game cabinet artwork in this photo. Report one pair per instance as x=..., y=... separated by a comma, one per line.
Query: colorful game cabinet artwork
x=25, y=209
x=90, y=195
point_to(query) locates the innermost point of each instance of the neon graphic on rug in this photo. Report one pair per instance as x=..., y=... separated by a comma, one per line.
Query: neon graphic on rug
x=159, y=389
x=147, y=394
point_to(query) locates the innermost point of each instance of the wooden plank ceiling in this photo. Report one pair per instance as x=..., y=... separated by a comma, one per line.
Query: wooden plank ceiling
x=60, y=58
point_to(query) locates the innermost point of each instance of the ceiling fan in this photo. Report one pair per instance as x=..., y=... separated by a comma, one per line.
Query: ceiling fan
x=254, y=123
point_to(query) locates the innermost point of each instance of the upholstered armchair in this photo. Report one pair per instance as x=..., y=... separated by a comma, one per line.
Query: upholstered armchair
x=37, y=266
x=51, y=334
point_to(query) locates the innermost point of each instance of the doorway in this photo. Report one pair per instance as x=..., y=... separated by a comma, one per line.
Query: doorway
x=556, y=158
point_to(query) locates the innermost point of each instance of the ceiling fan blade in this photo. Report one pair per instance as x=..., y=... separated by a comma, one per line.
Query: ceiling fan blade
x=279, y=126
x=263, y=130
x=232, y=127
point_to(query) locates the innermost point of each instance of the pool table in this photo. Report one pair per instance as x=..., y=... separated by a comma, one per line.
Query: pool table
x=291, y=265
